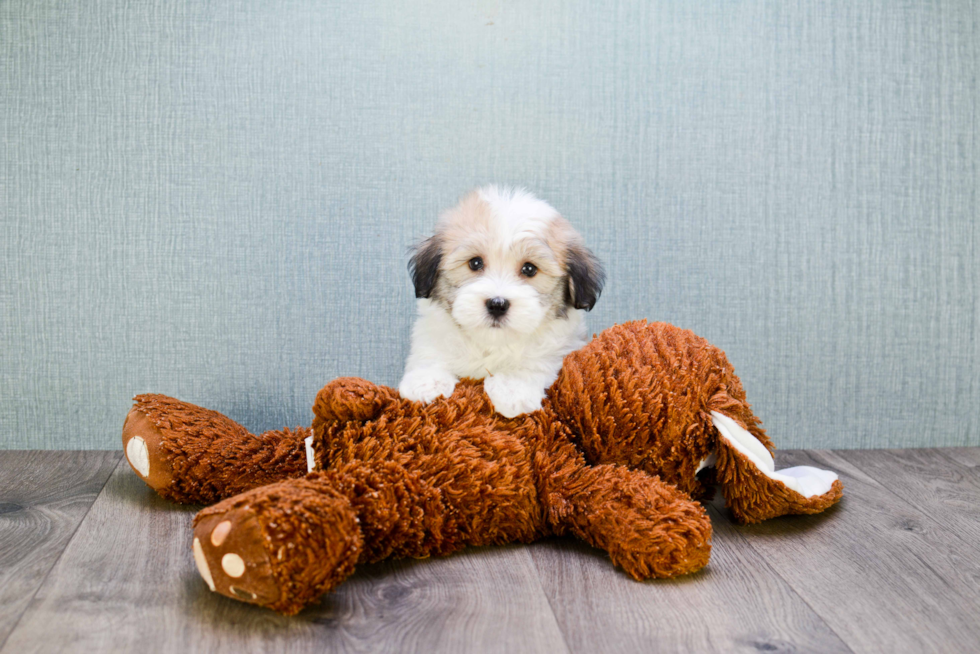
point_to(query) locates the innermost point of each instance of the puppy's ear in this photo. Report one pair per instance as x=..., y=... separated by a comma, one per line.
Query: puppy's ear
x=585, y=278
x=424, y=266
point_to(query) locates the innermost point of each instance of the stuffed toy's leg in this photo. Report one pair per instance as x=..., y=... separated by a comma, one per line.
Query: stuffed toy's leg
x=191, y=455
x=284, y=545
x=754, y=490
x=649, y=528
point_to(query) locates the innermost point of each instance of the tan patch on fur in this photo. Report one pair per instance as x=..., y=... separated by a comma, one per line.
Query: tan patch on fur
x=463, y=228
x=470, y=229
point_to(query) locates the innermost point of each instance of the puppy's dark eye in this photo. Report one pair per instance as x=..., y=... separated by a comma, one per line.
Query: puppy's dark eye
x=476, y=263
x=529, y=269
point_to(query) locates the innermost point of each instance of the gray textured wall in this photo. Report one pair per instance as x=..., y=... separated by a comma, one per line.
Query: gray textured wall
x=213, y=200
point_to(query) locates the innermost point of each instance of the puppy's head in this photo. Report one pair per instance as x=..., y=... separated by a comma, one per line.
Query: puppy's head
x=504, y=261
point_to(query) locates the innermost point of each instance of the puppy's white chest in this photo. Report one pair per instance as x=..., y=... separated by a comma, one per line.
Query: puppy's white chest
x=478, y=361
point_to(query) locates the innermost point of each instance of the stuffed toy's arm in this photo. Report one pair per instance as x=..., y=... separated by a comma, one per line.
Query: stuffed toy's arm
x=348, y=399
x=649, y=528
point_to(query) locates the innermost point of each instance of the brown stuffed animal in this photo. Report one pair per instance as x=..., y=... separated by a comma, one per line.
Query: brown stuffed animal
x=612, y=457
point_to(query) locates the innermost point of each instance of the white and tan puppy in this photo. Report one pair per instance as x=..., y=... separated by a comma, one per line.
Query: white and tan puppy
x=502, y=288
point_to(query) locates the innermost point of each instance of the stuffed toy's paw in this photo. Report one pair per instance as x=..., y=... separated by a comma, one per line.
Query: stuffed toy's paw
x=143, y=443
x=279, y=546
x=352, y=399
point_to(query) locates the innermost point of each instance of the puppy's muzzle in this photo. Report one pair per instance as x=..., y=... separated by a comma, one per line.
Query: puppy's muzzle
x=497, y=307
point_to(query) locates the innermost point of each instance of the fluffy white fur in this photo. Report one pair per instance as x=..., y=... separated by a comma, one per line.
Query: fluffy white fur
x=518, y=354
x=517, y=369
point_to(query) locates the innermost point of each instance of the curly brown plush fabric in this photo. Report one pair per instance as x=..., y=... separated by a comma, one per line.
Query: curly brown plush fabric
x=753, y=497
x=641, y=395
x=610, y=458
x=200, y=456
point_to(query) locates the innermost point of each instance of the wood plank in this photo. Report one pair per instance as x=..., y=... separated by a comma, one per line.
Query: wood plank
x=884, y=575
x=968, y=457
x=736, y=604
x=128, y=579
x=481, y=600
x=934, y=483
x=43, y=498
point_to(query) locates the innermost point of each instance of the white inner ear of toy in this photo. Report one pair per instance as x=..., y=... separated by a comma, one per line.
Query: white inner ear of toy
x=804, y=480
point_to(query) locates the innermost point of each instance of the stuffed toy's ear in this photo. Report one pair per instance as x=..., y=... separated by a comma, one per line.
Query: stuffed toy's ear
x=585, y=278
x=754, y=490
x=424, y=266
x=349, y=399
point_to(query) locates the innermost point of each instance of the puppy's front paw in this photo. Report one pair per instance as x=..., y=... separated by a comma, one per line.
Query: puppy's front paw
x=425, y=385
x=513, y=396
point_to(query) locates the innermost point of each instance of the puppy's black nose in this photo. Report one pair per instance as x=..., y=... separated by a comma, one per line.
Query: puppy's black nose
x=497, y=306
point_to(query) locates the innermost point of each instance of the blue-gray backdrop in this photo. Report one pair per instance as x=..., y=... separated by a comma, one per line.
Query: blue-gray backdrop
x=213, y=200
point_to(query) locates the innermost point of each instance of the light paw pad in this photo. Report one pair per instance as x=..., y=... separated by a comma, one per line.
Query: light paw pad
x=220, y=533
x=202, y=564
x=233, y=565
x=138, y=456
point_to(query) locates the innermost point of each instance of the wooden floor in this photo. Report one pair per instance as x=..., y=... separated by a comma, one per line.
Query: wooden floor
x=92, y=561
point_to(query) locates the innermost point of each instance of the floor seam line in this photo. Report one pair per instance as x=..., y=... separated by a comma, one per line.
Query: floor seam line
x=789, y=585
x=943, y=452
x=927, y=514
x=54, y=564
x=551, y=607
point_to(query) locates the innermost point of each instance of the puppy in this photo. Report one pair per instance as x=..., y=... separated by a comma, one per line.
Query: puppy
x=502, y=288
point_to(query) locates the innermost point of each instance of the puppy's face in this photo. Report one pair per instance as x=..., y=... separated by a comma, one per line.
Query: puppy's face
x=504, y=262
